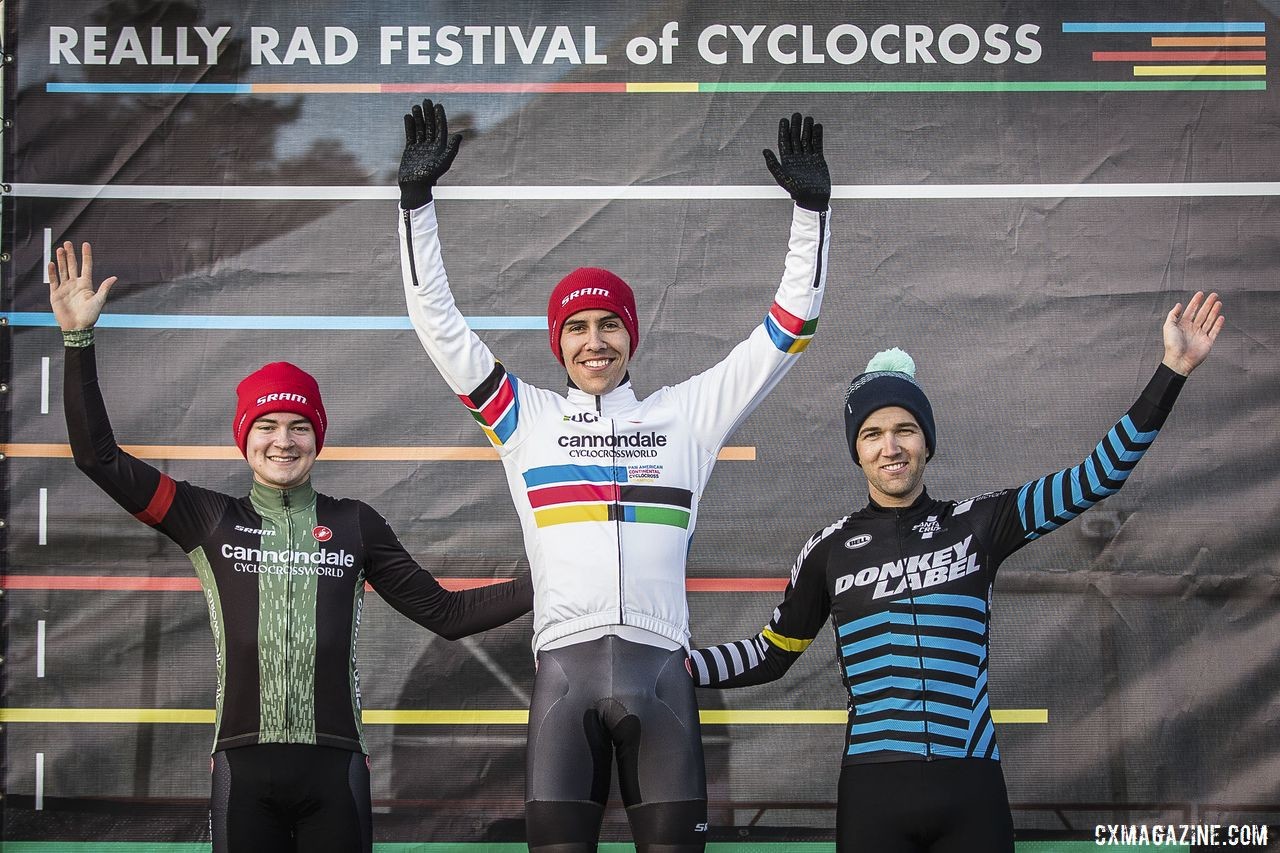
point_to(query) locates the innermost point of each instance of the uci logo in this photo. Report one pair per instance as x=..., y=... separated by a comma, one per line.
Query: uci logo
x=583, y=418
x=857, y=541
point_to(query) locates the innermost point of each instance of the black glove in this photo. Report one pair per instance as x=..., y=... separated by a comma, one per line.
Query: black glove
x=428, y=153
x=803, y=170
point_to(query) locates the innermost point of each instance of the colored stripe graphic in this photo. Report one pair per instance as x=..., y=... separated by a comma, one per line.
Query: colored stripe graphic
x=1199, y=70
x=457, y=717
x=267, y=321
x=568, y=494
x=139, y=583
x=331, y=454
x=495, y=405
x=1179, y=56
x=635, y=514
x=775, y=87
x=1209, y=41
x=739, y=192
x=142, y=583
x=573, y=514
x=1167, y=27
x=789, y=333
x=559, y=474
x=156, y=510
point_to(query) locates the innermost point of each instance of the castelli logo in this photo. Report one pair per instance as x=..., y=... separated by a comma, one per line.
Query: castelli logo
x=322, y=533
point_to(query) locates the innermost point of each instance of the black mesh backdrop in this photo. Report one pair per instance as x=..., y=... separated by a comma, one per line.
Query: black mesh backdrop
x=1148, y=629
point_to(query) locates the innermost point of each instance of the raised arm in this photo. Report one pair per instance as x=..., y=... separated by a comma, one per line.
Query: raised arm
x=719, y=399
x=1048, y=502
x=416, y=593
x=180, y=511
x=467, y=365
x=796, y=621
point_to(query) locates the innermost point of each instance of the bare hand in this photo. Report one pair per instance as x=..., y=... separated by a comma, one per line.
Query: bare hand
x=1189, y=334
x=75, y=304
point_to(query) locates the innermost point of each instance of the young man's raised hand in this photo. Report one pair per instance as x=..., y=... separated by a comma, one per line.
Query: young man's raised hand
x=1189, y=334
x=75, y=303
x=799, y=167
x=428, y=153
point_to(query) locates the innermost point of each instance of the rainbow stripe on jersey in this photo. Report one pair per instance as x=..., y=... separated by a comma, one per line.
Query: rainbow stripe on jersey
x=495, y=405
x=566, y=494
x=788, y=332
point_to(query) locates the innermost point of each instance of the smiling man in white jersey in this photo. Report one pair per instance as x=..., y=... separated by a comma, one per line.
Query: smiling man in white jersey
x=607, y=489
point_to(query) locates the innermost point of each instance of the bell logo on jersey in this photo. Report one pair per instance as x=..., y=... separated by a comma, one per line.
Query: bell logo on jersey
x=858, y=541
x=321, y=533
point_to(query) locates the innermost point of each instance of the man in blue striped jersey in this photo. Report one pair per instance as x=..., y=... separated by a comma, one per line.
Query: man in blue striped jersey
x=907, y=583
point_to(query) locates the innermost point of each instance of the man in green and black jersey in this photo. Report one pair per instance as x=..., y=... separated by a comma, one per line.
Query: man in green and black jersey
x=906, y=582
x=283, y=572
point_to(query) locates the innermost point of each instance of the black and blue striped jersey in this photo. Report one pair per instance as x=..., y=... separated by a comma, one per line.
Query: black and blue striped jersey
x=908, y=592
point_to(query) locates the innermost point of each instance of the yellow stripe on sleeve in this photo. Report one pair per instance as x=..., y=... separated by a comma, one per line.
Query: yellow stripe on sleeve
x=787, y=644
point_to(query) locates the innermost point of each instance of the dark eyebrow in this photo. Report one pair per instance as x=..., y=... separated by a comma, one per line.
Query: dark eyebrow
x=898, y=425
x=291, y=423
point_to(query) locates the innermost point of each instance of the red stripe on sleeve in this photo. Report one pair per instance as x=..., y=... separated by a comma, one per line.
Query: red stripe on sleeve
x=786, y=319
x=160, y=502
x=497, y=407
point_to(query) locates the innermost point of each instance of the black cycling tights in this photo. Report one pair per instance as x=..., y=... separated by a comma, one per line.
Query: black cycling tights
x=604, y=698
x=945, y=806
x=286, y=797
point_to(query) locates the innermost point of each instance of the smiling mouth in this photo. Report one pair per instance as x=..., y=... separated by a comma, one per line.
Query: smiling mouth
x=895, y=467
x=596, y=363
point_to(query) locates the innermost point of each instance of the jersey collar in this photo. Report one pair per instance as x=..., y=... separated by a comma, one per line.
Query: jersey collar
x=268, y=499
x=918, y=507
x=615, y=403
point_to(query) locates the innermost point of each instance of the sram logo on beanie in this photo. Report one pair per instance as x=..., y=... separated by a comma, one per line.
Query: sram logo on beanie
x=584, y=289
x=291, y=398
x=278, y=387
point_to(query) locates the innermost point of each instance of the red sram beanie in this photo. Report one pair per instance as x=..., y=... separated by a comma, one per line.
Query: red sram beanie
x=586, y=288
x=278, y=387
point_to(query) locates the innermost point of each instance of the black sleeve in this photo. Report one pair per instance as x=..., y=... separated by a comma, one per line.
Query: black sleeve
x=179, y=510
x=414, y=591
x=767, y=656
x=1048, y=502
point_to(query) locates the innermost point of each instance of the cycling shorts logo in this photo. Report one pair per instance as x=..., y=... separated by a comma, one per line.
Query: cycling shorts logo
x=321, y=533
x=858, y=541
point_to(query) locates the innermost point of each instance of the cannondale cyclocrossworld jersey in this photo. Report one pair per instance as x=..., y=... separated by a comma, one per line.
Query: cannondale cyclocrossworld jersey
x=283, y=573
x=607, y=487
